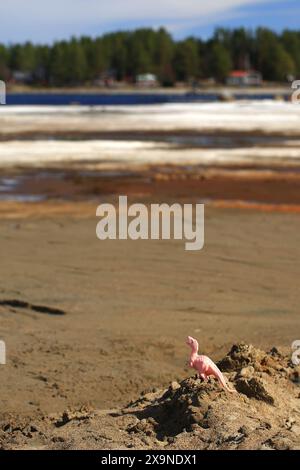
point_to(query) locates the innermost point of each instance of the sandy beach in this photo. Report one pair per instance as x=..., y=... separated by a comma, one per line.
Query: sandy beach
x=89, y=325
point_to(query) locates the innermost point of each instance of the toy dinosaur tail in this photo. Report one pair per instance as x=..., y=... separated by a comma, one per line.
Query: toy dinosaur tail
x=222, y=380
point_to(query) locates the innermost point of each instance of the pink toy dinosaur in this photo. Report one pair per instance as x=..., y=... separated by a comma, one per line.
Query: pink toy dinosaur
x=205, y=366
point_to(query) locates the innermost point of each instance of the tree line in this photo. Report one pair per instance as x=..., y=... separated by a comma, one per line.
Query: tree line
x=123, y=55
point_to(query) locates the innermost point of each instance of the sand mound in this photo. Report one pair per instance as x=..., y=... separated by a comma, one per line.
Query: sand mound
x=264, y=414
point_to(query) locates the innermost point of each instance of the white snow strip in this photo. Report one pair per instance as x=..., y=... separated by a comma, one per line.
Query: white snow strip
x=134, y=153
x=235, y=116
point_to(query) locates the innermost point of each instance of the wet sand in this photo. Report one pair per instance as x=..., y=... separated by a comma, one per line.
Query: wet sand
x=275, y=188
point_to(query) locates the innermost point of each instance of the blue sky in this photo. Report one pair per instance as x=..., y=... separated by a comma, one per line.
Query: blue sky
x=46, y=21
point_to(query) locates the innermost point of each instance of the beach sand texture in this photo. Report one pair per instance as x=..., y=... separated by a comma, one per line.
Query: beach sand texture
x=90, y=324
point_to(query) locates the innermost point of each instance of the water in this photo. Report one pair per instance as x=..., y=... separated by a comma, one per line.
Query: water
x=22, y=197
x=96, y=99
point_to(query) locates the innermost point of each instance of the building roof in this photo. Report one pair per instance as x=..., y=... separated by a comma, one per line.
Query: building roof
x=239, y=73
x=242, y=73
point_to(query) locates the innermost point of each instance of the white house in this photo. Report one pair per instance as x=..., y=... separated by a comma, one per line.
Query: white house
x=244, y=78
x=146, y=80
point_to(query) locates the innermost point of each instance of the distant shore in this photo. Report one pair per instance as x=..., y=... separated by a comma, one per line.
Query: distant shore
x=280, y=89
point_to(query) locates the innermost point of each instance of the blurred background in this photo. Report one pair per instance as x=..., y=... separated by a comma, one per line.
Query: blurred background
x=148, y=57
x=76, y=43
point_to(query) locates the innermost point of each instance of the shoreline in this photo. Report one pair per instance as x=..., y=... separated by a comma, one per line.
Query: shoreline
x=276, y=189
x=267, y=88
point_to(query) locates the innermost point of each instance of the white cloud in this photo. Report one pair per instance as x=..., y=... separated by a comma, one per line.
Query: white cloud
x=37, y=18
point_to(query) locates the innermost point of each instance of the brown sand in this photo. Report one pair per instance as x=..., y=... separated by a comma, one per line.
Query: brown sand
x=129, y=304
x=263, y=414
x=88, y=325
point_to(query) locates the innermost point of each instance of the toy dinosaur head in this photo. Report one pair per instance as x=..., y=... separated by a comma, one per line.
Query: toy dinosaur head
x=190, y=341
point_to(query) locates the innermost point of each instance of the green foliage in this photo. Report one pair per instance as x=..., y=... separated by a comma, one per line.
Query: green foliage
x=273, y=60
x=186, y=59
x=125, y=54
x=219, y=61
